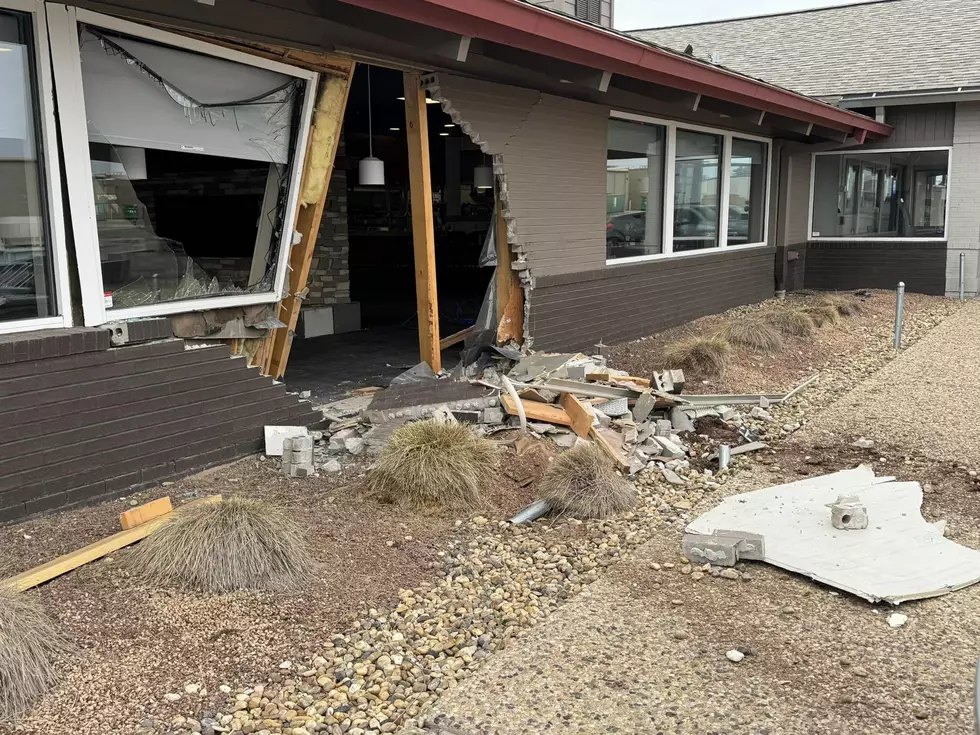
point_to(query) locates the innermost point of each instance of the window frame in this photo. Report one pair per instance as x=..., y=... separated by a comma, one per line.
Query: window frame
x=51, y=191
x=854, y=238
x=63, y=24
x=725, y=165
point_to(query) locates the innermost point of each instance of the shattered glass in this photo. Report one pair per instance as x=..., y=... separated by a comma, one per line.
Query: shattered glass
x=190, y=179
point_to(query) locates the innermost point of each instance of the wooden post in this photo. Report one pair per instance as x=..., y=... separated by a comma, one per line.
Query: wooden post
x=510, y=295
x=423, y=229
x=329, y=118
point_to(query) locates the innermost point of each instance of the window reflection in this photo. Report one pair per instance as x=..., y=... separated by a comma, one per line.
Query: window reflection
x=697, y=190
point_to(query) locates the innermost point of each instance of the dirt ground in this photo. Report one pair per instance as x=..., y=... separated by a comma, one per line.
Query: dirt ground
x=754, y=373
x=136, y=643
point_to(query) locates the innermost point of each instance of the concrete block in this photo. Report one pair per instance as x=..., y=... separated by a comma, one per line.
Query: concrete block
x=761, y=414
x=664, y=428
x=848, y=513
x=493, y=415
x=275, y=435
x=680, y=420
x=721, y=552
x=726, y=413
x=751, y=546
x=643, y=407
x=669, y=449
x=575, y=372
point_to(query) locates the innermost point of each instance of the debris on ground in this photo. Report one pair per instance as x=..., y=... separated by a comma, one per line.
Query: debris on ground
x=896, y=557
x=241, y=543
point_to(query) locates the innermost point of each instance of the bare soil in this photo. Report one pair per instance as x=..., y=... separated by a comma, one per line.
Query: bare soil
x=136, y=643
x=780, y=372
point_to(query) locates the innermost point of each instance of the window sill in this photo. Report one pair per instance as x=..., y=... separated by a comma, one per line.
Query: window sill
x=855, y=238
x=32, y=325
x=167, y=308
x=689, y=254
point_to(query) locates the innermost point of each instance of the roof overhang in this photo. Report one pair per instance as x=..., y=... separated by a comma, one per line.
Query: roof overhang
x=530, y=28
x=918, y=97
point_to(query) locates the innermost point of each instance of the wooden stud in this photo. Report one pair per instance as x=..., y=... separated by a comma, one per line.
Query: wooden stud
x=146, y=512
x=614, y=454
x=423, y=227
x=510, y=295
x=456, y=338
x=535, y=411
x=330, y=111
x=68, y=562
x=580, y=415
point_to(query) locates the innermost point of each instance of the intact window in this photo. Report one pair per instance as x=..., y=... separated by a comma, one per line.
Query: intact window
x=895, y=194
x=635, y=168
x=697, y=190
x=747, y=192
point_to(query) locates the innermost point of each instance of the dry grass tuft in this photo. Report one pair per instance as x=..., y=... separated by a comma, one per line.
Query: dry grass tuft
x=824, y=315
x=793, y=321
x=704, y=356
x=239, y=543
x=844, y=304
x=432, y=465
x=29, y=643
x=583, y=484
x=753, y=333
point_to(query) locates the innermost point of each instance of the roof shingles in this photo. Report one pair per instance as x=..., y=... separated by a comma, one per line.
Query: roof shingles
x=890, y=46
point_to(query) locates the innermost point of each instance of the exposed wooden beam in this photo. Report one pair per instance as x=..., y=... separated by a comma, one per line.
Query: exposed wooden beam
x=324, y=138
x=457, y=337
x=510, y=295
x=423, y=226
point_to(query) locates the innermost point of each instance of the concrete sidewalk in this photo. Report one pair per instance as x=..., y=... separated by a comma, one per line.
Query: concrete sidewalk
x=928, y=399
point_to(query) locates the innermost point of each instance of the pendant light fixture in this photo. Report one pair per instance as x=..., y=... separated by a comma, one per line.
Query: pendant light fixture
x=371, y=170
x=483, y=175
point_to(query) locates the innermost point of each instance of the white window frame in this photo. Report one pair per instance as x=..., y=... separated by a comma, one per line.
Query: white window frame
x=63, y=24
x=53, y=213
x=725, y=165
x=854, y=238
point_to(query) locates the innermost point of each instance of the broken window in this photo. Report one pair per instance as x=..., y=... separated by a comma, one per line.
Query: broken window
x=872, y=194
x=192, y=168
x=26, y=273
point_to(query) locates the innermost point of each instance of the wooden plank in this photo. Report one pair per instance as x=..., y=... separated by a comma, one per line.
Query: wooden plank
x=580, y=415
x=614, y=454
x=535, y=411
x=144, y=513
x=329, y=118
x=456, y=338
x=423, y=226
x=607, y=378
x=510, y=295
x=73, y=560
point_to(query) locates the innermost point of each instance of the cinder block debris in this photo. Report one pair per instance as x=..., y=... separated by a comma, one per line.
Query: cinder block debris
x=723, y=548
x=680, y=420
x=297, y=456
x=848, y=513
x=761, y=414
x=669, y=449
x=726, y=413
x=644, y=407
x=276, y=435
x=664, y=428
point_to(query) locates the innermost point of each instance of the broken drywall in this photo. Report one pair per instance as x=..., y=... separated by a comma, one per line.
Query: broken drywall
x=898, y=557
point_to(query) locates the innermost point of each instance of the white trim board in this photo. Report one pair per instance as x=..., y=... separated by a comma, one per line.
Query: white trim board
x=724, y=165
x=48, y=155
x=63, y=21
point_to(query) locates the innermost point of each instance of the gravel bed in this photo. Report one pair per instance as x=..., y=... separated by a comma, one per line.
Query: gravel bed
x=158, y=662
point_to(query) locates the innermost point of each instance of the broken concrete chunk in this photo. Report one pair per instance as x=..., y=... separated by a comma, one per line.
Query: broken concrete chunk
x=304, y=395
x=763, y=402
x=863, y=443
x=680, y=420
x=760, y=413
x=719, y=551
x=354, y=445
x=751, y=546
x=669, y=449
x=848, y=513
x=564, y=439
x=331, y=465
x=614, y=407
x=275, y=435
x=726, y=413
x=663, y=428
x=672, y=477
x=677, y=379
x=644, y=407
x=493, y=415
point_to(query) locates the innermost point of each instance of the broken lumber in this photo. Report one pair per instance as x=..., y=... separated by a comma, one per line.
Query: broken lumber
x=537, y=411
x=71, y=561
x=607, y=378
x=580, y=415
x=456, y=337
x=145, y=513
x=614, y=454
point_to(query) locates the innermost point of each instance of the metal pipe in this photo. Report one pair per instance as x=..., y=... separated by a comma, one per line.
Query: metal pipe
x=962, y=273
x=532, y=512
x=899, y=314
x=724, y=456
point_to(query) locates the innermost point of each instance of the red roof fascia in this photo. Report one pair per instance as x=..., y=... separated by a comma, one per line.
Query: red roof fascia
x=528, y=27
